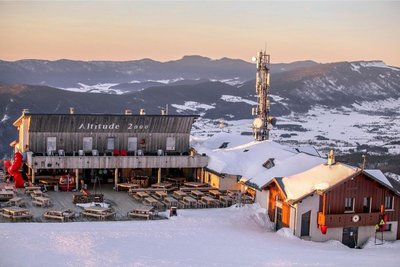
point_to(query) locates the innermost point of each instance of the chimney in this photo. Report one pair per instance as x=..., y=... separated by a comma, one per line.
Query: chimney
x=331, y=157
x=128, y=112
x=71, y=110
x=24, y=111
x=142, y=111
x=163, y=112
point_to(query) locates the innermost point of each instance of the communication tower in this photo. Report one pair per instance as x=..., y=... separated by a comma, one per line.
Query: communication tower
x=263, y=123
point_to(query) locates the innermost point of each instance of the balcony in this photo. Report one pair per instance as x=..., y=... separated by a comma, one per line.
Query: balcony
x=346, y=219
x=111, y=162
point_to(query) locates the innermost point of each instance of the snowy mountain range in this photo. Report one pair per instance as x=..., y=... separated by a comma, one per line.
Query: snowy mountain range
x=216, y=89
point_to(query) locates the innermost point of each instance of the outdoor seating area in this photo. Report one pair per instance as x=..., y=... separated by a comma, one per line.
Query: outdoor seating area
x=191, y=195
x=33, y=201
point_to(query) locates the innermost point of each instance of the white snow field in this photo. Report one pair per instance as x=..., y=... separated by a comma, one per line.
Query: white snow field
x=212, y=237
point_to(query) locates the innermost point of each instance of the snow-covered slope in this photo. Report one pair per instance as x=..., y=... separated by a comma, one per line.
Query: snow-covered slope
x=211, y=237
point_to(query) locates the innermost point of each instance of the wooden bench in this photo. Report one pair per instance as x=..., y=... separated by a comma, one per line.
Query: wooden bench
x=144, y=212
x=16, y=213
x=62, y=215
x=99, y=212
x=41, y=201
x=202, y=189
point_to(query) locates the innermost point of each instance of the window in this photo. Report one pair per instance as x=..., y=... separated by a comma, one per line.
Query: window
x=170, y=143
x=87, y=143
x=110, y=143
x=51, y=145
x=367, y=204
x=389, y=202
x=349, y=204
x=132, y=143
x=269, y=163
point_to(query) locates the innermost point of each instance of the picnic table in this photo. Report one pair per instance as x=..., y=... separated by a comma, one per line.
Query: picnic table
x=37, y=193
x=171, y=202
x=227, y=199
x=6, y=195
x=15, y=213
x=195, y=184
x=16, y=201
x=197, y=194
x=176, y=180
x=161, y=185
x=153, y=202
x=62, y=215
x=142, y=195
x=179, y=194
x=210, y=202
x=203, y=189
x=161, y=194
x=127, y=185
x=191, y=202
x=98, y=212
x=147, y=212
x=41, y=201
x=215, y=193
x=9, y=188
x=30, y=189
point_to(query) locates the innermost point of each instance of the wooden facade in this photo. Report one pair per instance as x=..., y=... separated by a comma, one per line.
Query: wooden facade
x=358, y=188
x=90, y=145
x=277, y=200
x=330, y=209
x=149, y=133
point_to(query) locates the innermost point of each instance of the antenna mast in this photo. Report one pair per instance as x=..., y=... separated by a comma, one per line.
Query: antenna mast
x=262, y=123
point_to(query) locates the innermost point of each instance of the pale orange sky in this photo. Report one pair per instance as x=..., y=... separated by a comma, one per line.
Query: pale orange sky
x=166, y=30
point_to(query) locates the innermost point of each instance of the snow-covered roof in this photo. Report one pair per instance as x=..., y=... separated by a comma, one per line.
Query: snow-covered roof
x=320, y=177
x=245, y=158
x=291, y=165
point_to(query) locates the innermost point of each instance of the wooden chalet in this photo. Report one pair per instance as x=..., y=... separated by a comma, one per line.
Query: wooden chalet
x=112, y=146
x=336, y=201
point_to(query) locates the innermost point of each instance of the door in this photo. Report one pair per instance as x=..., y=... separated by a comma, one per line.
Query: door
x=278, y=218
x=51, y=145
x=170, y=144
x=110, y=143
x=305, y=223
x=87, y=143
x=350, y=236
x=132, y=143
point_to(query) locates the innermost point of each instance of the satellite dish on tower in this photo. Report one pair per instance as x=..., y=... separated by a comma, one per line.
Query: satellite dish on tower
x=257, y=123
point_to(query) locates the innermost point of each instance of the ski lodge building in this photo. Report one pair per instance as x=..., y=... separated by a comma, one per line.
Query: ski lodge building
x=112, y=147
x=318, y=199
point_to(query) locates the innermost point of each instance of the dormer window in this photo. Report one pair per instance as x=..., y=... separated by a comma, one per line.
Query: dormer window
x=269, y=163
x=224, y=145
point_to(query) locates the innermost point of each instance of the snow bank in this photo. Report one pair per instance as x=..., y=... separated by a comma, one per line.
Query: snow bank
x=206, y=237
